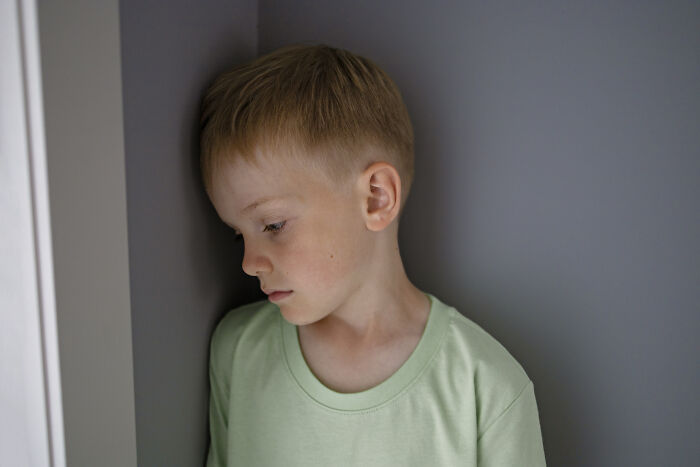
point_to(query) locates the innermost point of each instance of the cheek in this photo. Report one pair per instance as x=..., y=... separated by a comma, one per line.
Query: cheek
x=324, y=261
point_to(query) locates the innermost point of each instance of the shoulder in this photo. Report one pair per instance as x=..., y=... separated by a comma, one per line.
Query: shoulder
x=244, y=323
x=490, y=362
x=496, y=377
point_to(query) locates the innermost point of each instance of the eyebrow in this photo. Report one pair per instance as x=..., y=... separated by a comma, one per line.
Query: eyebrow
x=259, y=202
x=263, y=200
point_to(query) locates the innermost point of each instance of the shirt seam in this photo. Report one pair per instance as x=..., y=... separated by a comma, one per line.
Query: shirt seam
x=520, y=393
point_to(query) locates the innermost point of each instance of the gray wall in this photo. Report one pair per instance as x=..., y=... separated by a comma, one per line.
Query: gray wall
x=85, y=164
x=556, y=196
x=184, y=270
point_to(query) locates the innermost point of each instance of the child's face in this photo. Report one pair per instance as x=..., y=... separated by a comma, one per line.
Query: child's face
x=313, y=241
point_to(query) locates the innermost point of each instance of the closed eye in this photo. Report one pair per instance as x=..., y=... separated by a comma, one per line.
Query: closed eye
x=274, y=228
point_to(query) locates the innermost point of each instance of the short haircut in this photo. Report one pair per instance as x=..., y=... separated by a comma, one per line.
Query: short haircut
x=326, y=107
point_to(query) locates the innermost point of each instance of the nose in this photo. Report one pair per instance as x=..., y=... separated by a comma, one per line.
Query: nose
x=253, y=261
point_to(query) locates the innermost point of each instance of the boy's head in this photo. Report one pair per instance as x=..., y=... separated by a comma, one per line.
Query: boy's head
x=329, y=130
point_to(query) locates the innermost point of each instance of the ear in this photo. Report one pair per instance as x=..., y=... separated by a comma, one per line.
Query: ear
x=379, y=188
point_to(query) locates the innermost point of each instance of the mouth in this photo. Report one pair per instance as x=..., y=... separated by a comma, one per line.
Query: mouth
x=279, y=295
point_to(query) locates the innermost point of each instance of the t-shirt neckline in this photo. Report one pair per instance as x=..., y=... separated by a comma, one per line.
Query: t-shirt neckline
x=400, y=380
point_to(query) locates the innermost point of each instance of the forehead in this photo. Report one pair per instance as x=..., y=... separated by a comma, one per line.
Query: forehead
x=244, y=178
x=236, y=185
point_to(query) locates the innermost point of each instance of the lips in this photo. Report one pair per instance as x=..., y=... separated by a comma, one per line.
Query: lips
x=271, y=291
x=275, y=296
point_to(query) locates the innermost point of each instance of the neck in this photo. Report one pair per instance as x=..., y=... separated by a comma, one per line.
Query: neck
x=383, y=306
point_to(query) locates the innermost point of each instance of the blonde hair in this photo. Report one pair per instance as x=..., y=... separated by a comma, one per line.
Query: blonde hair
x=325, y=107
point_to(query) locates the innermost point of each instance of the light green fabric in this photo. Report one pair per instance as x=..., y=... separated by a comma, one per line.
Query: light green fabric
x=459, y=400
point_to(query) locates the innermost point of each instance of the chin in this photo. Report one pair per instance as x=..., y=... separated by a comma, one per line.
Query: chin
x=290, y=314
x=296, y=318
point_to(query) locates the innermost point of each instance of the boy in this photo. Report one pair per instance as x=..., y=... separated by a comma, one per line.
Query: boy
x=307, y=153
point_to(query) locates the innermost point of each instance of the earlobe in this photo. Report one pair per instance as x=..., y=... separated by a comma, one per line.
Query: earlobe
x=382, y=193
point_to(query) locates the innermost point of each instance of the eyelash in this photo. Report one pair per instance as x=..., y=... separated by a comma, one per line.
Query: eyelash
x=274, y=231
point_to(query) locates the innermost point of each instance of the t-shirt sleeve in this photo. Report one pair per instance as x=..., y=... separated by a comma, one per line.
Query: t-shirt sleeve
x=218, y=406
x=514, y=438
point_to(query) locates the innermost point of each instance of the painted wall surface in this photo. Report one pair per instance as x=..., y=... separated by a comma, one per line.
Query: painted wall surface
x=556, y=196
x=185, y=271
x=81, y=80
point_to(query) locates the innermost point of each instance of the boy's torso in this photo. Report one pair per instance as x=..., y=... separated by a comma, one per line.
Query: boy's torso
x=430, y=411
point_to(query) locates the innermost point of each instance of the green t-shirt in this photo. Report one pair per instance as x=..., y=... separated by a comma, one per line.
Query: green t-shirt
x=459, y=400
